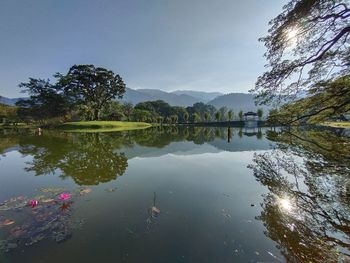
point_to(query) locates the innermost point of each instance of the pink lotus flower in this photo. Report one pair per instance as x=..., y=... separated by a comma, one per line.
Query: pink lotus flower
x=33, y=203
x=64, y=196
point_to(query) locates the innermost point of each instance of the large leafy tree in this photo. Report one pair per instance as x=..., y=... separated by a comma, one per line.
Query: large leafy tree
x=45, y=100
x=91, y=86
x=307, y=43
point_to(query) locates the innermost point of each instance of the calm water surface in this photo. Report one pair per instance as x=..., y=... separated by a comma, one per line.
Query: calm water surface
x=175, y=195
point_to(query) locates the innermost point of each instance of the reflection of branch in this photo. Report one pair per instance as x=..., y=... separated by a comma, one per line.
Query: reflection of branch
x=305, y=140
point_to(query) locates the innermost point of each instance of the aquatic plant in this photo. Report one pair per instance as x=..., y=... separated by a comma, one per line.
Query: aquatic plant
x=64, y=196
x=51, y=219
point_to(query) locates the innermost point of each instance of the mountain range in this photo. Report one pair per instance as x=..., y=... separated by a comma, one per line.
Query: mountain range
x=234, y=101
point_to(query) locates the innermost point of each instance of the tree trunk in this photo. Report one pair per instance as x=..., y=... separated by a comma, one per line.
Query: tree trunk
x=96, y=115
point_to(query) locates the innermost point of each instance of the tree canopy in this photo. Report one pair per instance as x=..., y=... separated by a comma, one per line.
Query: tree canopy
x=91, y=86
x=306, y=43
x=45, y=100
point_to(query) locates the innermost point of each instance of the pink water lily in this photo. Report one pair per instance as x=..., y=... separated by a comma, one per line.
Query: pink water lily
x=64, y=196
x=33, y=203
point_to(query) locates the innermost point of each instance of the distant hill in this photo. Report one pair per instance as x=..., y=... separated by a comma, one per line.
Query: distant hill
x=135, y=96
x=9, y=101
x=237, y=102
x=171, y=98
x=202, y=96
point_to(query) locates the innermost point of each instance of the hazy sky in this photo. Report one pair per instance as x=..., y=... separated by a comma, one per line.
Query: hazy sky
x=209, y=45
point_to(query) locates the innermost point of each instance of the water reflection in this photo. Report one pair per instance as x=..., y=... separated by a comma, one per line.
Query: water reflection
x=96, y=158
x=187, y=183
x=307, y=209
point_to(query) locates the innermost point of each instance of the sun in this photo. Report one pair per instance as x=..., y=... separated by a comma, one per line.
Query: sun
x=292, y=36
x=292, y=33
x=285, y=204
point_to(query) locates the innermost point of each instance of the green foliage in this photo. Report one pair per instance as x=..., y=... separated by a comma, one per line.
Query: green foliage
x=260, y=113
x=196, y=117
x=223, y=111
x=112, y=111
x=174, y=118
x=240, y=115
x=127, y=110
x=186, y=116
x=201, y=108
x=91, y=86
x=273, y=117
x=218, y=116
x=45, y=101
x=230, y=115
x=207, y=116
x=143, y=115
x=326, y=101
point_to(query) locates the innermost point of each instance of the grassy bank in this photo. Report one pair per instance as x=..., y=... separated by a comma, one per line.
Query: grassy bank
x=103, y=126
x=337, y=124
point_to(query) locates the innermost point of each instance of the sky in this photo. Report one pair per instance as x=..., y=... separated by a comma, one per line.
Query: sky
x=204, y=45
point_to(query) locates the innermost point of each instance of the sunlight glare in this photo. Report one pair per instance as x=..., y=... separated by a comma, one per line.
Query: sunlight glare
x=292, y=36
x=285, y=204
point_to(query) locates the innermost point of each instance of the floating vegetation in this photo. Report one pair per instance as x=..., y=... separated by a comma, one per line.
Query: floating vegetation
x=84, y=191
x=46, y=216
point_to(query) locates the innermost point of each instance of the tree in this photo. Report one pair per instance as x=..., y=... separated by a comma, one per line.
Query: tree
x=326, y=100
x=128, y=110
x=142, y=115
x=186, y=116
x=174, y=118
x=196, y=117
x=240, y=115
x=179, y=112
x=8, y=114
x=260, y=113
x=230, y=115
x=223, y=111
x=272, y=118
x=112, y=111
x=91, y=86
x=218, y=116
x=307, y=43
x=45, y=101
x=201, y=108
x=160, y=119
x=206, y=116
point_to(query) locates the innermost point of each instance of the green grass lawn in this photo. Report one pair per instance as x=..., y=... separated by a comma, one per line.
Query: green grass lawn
x=103, y=126
x=337, y=124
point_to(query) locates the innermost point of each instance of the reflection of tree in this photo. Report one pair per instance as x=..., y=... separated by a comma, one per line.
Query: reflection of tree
x=88, y=158
x=307, y=211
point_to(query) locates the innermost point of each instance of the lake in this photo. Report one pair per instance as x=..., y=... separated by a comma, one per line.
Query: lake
x=175, y=194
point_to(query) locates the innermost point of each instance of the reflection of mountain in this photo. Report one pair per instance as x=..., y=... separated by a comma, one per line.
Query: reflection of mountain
x=306, y=210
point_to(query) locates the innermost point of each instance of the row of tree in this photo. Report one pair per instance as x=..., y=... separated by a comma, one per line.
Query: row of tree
x=161, y=112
